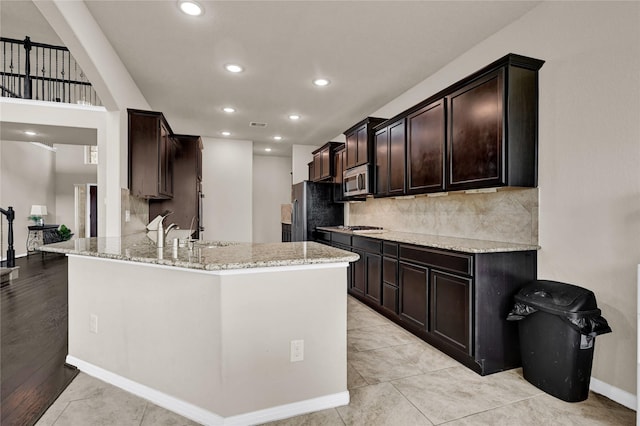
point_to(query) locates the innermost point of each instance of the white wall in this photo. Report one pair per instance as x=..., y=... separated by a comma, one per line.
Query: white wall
x=33, y=175
x=589, y=151
x=271, y=188
x=227, y=168
x=300, y=158
x=70, y=170
x=28, y=177
x=110, y=173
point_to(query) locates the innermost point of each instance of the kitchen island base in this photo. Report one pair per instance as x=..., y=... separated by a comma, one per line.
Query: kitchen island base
x=213, y=346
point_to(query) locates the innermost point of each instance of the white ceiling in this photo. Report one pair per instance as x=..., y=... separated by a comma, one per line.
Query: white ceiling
x=10, y=131
x=371, y=51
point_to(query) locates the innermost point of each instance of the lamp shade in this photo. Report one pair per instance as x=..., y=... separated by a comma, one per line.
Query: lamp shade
x=37, y=210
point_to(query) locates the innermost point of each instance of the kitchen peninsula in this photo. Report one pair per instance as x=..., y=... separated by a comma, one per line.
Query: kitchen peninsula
x=210, y=332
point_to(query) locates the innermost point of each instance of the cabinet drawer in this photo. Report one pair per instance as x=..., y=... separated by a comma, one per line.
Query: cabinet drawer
x=445, y=260
x=340, y=238
x=340, y=246
x=323, y=236
x=390, y=249
x=368, y=244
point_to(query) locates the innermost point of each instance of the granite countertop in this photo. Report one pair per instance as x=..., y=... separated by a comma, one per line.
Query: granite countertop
x=464, y=245
x=210, y=256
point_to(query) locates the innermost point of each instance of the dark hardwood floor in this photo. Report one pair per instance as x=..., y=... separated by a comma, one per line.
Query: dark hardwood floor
x=33, y=339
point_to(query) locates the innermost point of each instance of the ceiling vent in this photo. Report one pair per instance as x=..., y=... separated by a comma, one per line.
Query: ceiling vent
x=257, y=124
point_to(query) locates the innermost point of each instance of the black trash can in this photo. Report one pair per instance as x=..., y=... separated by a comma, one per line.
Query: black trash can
x=558, y=323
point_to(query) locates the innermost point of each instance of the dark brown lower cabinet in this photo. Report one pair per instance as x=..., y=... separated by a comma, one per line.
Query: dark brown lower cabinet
x=390, y=295
x=374, y=277
x=390, y=291
x=359, y=283
x=414, y=288
x=450, y=308
x=456, y=301
x=367, y=271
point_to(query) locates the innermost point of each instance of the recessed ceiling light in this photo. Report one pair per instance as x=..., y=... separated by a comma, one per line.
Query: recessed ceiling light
x=268, y=149
x=30, y=133
x=294, y=117
x=229, y=109
x=277, y=138
x=225, y=133
x=233, y=68
x=191, y=7
x=321, y=82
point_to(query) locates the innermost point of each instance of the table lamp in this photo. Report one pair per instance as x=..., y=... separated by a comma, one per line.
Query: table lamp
x=39, y=211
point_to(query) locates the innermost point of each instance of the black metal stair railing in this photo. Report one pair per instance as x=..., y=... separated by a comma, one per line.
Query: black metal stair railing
x=43, y=72
x=11, y=253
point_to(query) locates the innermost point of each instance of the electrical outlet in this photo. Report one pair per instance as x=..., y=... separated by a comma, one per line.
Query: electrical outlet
x=93, y=324
x=127, y=215
x=297, y=350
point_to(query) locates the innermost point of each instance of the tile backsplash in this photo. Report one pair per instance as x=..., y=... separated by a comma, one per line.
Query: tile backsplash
x=138, y=213
x=505, y=215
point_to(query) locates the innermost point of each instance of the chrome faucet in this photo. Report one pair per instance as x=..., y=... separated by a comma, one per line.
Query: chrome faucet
x=161, y=232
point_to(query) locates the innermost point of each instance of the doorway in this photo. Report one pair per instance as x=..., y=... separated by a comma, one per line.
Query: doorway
x=92, y=223
x=86, y=210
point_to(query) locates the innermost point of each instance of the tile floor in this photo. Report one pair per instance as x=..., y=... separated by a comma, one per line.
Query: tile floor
x=394, y=379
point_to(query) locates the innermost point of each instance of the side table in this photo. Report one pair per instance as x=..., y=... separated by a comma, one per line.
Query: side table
x=41, y=234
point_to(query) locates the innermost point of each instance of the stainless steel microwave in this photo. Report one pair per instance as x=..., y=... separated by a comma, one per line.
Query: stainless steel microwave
x=356, y=181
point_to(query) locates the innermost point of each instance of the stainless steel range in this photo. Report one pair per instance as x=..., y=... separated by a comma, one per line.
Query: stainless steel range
x=362, y=229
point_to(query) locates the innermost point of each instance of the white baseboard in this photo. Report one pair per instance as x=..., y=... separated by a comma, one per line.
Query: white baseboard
x=206, y=417
x=290, y=410
x=171, y=403
x=613, y=393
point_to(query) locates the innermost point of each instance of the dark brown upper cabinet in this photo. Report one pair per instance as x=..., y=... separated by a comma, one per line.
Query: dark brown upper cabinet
x=187, y=194
x=151, y=152
x=323, y=164
x=312, y=171
x=359, y=148
x=493, y=126
x=480, y=132
x=390, y=159
x=476, y=126
x=338, y=169
x=426, y=136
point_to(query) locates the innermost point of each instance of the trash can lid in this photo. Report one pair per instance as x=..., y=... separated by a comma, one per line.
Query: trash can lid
x=559, y=298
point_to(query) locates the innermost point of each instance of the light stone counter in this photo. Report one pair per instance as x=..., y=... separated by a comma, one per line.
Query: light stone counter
x=211, y=256
x=464, y=245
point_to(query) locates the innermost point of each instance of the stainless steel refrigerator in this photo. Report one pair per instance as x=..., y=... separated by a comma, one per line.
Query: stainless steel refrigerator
x=312, y=206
